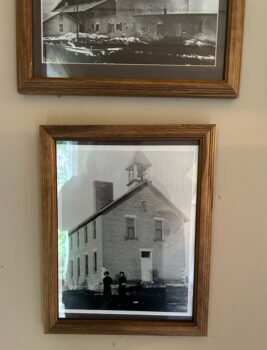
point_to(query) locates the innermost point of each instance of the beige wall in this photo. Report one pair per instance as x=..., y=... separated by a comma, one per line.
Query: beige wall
x=238, y=298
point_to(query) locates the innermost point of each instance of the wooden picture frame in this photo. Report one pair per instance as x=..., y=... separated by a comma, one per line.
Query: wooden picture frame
x=219, y=80
x=201, y=137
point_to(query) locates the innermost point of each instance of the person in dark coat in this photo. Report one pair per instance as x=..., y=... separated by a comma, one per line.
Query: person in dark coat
x=122, y=286
x=107, y=282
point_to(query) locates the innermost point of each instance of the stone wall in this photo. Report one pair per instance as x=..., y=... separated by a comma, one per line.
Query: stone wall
x=122, y=254
x=85, y=248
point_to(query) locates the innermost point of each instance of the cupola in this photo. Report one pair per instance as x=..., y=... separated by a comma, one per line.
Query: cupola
x=137, y=169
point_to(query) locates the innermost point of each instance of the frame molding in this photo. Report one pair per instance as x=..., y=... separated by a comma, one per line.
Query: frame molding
x=205, y=135
x=29, y=84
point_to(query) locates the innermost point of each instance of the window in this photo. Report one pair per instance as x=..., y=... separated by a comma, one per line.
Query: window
x=200, y=27
x=78, y=239
x=61, y=28
x=85, y=234
x=94, y=229
x=110, y=28
x=61, y=18
x=71, y=242
x=95, y=261
x=78, y=267
x=160, y=29
x=145, y=254
x=86, y=265
x=130, y=222
x=158, y=229
x=93, y=27
x=71, y=268
x=97, y=27
x=119, y=26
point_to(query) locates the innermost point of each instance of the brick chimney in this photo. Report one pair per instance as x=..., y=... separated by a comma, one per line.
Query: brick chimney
x=103, y=194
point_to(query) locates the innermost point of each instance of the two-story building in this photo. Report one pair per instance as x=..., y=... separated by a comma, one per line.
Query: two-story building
x=140, y=233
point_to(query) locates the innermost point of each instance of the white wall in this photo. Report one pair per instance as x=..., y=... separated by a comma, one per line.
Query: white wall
x=238, y=294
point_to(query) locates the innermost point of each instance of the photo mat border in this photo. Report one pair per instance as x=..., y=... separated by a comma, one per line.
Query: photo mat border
x=179, y=148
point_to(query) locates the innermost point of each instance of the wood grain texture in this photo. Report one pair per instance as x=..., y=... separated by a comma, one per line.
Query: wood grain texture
x=29, y=84
x=205, y=135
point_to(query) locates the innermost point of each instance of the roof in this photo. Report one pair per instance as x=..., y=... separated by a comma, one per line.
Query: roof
x=81, y=7
x=175, y=14
x=48, y=16
x=126, y=195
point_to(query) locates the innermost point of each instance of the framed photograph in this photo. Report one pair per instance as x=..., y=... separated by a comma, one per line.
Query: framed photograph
x=127, y=228
x=131, y=48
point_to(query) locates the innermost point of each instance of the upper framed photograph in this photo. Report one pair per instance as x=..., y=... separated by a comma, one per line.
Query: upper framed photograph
x=126, y=228
x=130, y=47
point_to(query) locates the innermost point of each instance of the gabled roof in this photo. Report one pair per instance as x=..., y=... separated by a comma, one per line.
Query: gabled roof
x=124, y=197
x=48, y=16
x=81, y=7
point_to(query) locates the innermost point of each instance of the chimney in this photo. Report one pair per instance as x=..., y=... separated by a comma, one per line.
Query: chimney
x=103, y=194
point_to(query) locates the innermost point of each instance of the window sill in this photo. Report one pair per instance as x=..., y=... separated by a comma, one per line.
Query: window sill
x=130, y=239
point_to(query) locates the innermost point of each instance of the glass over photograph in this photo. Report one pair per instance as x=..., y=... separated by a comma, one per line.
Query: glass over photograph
x=126, y=229
x=138, y=32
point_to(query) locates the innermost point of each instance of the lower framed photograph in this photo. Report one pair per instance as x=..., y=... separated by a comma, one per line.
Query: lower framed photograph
x=127, y=228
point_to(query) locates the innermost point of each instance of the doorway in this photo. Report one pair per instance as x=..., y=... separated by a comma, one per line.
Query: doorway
x=146, y=265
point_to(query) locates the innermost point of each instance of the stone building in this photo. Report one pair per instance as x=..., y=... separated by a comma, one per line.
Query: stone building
x=140, y=233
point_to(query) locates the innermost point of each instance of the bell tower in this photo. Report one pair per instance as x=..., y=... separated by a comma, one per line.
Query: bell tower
x=137, y=169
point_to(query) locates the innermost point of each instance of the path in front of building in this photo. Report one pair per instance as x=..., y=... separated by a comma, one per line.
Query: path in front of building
x=169, y=299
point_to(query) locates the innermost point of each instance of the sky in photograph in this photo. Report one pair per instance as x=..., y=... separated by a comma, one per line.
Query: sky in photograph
x=195, y=5
x=173, y=172
x=204, y=5
x=49, y=4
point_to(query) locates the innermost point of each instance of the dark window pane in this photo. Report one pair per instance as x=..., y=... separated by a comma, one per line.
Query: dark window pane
x=78, y=267
x=86, y=265
x=145, y=254
x=95, y=261
x=130, y=227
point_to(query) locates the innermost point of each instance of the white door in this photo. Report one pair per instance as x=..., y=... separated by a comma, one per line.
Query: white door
x=146, y=265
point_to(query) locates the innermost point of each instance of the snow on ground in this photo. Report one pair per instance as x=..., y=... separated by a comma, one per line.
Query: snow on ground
x=91, y=52
x=196, y=42
x=81, y=50
x=198, y=57
x=68, y=42
x=94, y=37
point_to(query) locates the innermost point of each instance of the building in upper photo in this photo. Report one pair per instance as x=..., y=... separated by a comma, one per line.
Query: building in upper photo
x=131, y=31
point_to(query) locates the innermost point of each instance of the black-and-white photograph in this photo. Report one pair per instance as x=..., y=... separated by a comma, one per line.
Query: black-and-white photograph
x=137, y=32
x=126, y=229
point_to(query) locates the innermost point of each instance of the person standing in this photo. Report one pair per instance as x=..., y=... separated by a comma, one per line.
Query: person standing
x=122, y=286
x=107, y=282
